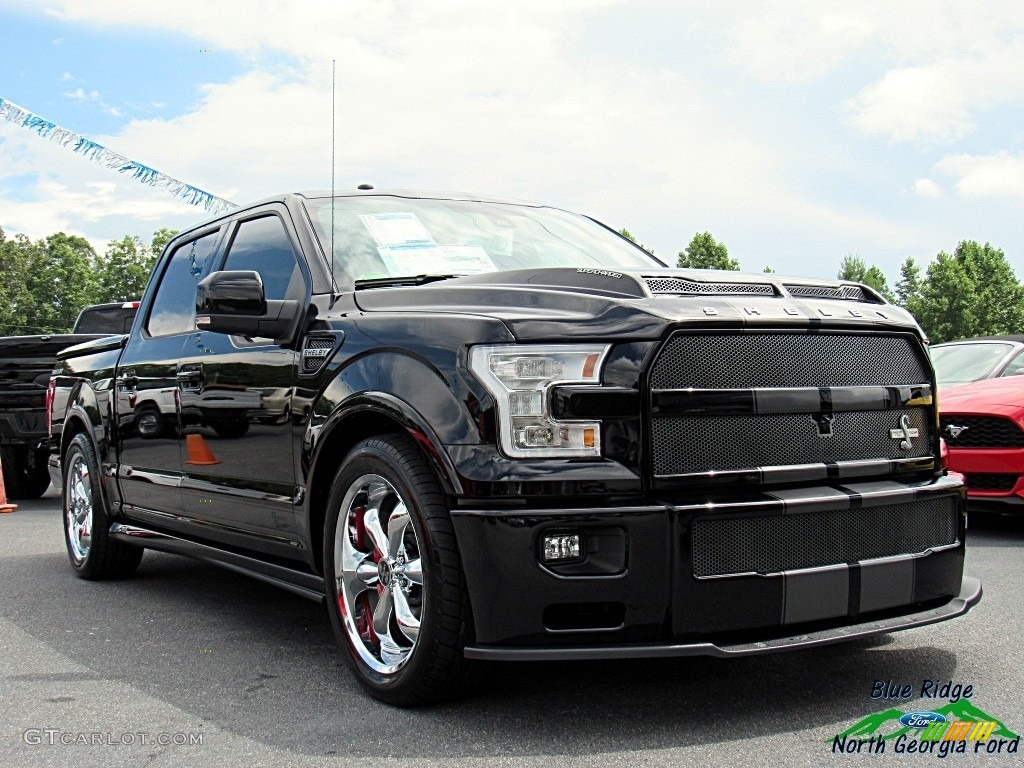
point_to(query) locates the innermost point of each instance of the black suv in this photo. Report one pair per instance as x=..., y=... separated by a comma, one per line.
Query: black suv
x=484, y=429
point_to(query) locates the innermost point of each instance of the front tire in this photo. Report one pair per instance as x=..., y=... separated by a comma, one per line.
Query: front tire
x=396, y=592
x=93, y=554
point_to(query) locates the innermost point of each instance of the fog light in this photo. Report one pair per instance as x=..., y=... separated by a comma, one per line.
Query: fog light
x=562, y=547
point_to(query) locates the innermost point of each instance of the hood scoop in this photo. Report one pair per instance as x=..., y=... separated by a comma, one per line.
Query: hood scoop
x=843, y=292
x=681, y=286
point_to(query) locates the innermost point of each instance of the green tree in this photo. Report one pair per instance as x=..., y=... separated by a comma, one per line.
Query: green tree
x=122, y=272
x=15, y=298
x=854, y=269
x=61, y=282
x=971, y=292
x=160, y=239
x=768, y=270
x=629, y=236
x=908, y=287
x=947, y=310
x=999, y=297
x=704, y=252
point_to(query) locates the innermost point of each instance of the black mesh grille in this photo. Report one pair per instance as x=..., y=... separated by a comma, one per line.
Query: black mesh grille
x=684, y=444
x=682, y=285
x=789, y=542
x=981, y=432
x=990, y=481
x=749, y=361
x=850, y=292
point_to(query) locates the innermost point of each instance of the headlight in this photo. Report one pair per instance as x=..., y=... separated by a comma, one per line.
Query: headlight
x=519, y=376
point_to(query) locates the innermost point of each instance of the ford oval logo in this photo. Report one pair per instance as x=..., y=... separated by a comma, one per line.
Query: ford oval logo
x=922, y=718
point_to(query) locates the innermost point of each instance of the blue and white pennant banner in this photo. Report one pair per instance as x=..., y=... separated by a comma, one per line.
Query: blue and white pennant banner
x=100, y=154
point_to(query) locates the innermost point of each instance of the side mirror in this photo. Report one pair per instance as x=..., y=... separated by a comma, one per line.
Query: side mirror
x=233, y=302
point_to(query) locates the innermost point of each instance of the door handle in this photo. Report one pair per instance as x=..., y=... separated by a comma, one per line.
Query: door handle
x=191, y=376
x=127, y=379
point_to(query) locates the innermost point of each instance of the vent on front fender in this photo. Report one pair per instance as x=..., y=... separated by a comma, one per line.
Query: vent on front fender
x=316, y=351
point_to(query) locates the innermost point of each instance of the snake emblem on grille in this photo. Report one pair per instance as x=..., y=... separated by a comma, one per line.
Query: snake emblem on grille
x=904, y=432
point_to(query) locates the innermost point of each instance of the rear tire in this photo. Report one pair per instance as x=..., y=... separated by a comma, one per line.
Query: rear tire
x=93, y=554
x=396, y=593
x=25, y=473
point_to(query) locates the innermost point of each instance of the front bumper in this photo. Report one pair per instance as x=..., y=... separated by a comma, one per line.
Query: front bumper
x=983, y=465
x=970, y=595
x=774, y=570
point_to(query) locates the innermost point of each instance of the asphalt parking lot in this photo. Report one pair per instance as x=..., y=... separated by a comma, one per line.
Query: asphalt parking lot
x=136, y=672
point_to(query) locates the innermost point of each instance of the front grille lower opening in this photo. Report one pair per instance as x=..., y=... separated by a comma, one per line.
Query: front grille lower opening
x=730, y=545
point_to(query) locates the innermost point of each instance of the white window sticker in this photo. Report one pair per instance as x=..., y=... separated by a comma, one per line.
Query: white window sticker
x=436, y=260
x=397, y=230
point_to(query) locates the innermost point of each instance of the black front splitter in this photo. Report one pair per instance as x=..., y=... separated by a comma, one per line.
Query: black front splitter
x=970, y=595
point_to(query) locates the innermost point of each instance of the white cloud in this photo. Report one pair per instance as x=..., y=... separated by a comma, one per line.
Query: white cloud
x=80, y=94
x=937, y=101
x=932, y=64
x=927, y=188
x=508, y=99
x=998, y=175
x=67, y=76
x=799, y=42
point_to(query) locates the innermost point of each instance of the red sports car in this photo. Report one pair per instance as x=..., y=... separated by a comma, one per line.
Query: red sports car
x=983, y=424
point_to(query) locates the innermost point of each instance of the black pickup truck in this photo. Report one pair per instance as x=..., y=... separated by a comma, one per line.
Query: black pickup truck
x=25, y=366
x=488, y=430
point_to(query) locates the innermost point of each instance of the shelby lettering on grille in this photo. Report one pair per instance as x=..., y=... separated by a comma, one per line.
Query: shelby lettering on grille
x=745, y=402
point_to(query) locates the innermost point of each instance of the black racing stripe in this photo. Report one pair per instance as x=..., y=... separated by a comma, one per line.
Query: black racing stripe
x=856, y=499
x=832, y=470
x=825, y=399
x=854, y=605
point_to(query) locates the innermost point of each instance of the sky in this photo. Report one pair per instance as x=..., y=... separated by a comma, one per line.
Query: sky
x=795, y=132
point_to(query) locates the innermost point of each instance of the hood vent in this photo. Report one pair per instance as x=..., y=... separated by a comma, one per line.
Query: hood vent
x=845, y=292
x=680, y=285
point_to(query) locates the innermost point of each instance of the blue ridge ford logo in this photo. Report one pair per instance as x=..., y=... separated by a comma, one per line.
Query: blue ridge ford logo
x=921, y=718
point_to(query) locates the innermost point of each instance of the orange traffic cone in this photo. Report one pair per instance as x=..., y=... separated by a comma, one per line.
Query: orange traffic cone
x=4, y=506
x=198, y=451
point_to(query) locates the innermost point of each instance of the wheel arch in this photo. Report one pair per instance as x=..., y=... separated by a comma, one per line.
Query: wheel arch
x=363, y=416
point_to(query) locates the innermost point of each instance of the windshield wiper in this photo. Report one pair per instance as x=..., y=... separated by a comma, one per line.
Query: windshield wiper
x=390, y=282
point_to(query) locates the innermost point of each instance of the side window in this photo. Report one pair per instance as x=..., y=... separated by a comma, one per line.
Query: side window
x=262, y=245
x=1015, y=366
x=174, y=307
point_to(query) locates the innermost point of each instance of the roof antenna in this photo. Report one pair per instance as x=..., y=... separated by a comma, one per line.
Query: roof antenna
x=334, y=285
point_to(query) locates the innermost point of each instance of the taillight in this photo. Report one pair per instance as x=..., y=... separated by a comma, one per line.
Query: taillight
x=51, y=387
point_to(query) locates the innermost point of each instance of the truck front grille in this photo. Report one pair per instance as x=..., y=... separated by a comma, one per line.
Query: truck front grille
x=747, y=384
x=747, y=442
x=755, y=360
x=725, y=546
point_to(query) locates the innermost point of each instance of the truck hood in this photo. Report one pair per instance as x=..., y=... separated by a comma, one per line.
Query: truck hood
x=567, y=302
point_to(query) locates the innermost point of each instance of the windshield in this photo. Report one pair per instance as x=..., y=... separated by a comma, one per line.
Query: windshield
x=382, y=236
x=964, y=363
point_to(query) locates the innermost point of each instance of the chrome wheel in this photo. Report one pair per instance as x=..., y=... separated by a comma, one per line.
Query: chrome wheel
x=79, y=509
x=378, y=573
